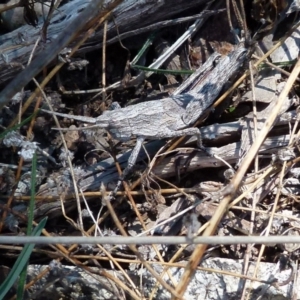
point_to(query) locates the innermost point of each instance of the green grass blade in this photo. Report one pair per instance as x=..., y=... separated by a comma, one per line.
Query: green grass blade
x=21, y=262
x=146, y=45
x=278, y=64
x=23, y=275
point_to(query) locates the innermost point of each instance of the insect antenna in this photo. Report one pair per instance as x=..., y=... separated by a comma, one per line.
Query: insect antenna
x=77, y=118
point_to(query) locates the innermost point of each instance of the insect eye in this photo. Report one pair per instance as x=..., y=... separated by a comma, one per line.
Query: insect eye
x=216, y=61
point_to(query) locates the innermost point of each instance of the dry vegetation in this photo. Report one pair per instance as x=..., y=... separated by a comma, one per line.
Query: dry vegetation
x=246, y=185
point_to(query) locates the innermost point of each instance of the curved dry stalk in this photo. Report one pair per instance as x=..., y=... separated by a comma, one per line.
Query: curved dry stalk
x=134, y=249
x=174, y=258
x=234, y=184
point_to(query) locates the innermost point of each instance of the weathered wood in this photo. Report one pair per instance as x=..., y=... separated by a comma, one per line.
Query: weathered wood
x=16, y=46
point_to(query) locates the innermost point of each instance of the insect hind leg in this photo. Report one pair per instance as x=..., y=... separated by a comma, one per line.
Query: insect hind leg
x=131, y=162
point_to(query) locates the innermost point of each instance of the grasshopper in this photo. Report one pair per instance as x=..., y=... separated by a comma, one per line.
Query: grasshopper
x=169, y=117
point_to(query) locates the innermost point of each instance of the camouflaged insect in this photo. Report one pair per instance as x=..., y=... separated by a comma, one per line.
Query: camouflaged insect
x=169, y=117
